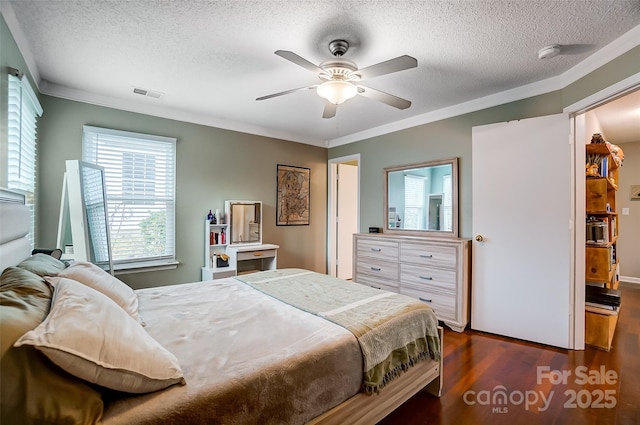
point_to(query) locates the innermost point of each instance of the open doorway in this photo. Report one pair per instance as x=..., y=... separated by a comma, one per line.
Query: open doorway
x=583, y=129
x=343, y=214
x=618, y=120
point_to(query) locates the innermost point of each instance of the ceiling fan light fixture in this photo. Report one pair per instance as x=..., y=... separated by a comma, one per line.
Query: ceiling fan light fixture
x=337, y=92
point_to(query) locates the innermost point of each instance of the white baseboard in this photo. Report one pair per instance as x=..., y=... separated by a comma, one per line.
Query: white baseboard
x=630, y=279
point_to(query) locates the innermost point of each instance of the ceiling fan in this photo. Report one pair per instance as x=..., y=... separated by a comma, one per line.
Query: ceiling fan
x=340, y=78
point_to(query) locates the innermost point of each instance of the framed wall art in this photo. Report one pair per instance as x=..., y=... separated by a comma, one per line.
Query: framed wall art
x=292, y=203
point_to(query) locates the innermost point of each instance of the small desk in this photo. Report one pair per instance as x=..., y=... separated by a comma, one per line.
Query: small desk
x=253, y=258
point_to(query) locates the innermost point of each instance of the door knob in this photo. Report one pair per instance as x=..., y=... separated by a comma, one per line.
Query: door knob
x=479, y=238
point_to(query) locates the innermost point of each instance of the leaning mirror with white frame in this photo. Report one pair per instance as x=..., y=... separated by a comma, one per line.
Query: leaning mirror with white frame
x=422, y=198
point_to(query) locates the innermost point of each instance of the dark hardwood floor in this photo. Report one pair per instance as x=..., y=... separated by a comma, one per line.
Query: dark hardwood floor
x=477, y=364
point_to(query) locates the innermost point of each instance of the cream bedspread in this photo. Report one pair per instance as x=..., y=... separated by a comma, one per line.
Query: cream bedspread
x=394, y=331
x=247, y=359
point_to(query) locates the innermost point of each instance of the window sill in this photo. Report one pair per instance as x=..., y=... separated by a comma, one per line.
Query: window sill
x=147, y=266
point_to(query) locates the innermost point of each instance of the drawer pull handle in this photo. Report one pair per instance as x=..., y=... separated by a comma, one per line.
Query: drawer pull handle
x=426, y=277
x=425, y=300
x=376, y=249
x=257, y=254
x=426, y=255
x=376, y=287
x=375, y=269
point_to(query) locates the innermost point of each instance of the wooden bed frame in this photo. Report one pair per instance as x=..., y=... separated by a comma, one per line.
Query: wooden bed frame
x=363, y=409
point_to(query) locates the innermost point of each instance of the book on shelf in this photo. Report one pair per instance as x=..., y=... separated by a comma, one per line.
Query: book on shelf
x=603, y=296
x=602, y=306
x=604, y=167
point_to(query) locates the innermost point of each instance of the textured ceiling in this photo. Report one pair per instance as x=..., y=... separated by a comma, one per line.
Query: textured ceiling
x=211, y=59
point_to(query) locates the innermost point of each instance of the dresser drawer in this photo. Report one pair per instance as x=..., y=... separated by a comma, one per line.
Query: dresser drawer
x=429, y=277
x=377, y=283
x=428, y=255
x=384, y=271
x=251, y=255
x=383, y=250
x=444, y=305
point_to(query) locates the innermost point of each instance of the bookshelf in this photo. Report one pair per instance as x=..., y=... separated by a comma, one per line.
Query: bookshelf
x=601, y=260
x=215, y=245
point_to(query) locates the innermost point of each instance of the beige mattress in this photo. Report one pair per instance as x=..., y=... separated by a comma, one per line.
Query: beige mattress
x=247, y=359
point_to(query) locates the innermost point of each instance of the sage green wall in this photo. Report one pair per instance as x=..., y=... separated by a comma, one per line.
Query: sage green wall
x=441, y=139
x=616, y=70
x=213, y=165
x=452, y=138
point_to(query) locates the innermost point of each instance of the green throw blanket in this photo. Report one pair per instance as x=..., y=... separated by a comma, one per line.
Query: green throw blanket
x=394, y=331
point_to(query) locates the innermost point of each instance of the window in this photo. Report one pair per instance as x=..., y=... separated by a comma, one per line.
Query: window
x=23, y=110
x=447, y=202
x=413, y=202
x=140, y=185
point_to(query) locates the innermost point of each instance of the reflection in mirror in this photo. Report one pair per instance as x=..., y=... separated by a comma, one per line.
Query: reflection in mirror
x=245, y=221
x=84, y=211
x=422, y=198
x=95, y=205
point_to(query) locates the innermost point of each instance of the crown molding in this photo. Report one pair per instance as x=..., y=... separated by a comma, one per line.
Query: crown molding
x=621, y=45
x=160, y=111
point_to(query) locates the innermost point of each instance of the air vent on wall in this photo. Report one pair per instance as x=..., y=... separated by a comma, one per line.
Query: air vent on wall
x=148, y=93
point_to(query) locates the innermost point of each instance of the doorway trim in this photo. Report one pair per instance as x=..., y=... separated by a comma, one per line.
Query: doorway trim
x=576, y=113
x=332, y=166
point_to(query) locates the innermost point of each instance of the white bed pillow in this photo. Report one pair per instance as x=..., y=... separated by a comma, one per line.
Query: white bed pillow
x=98, y=279
x=91, y=337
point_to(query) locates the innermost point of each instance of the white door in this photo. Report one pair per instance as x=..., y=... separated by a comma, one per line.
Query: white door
x=347, y=218
x=522, y=210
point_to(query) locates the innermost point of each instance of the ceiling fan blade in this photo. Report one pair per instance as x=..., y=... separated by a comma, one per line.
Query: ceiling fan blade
x=329, y=110
x=387, y=67
x=286, y=92
x=298, y=60
x=389, y=99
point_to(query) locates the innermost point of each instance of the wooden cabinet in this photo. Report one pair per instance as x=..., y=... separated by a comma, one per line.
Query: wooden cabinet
x=434, y=270
x=601, y=261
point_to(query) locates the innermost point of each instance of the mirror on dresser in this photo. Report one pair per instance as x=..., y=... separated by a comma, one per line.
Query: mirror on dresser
x=245, y=222
x=422, y=198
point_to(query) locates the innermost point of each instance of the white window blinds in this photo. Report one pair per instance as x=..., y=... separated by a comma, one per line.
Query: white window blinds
x=413, y=202
x=23, y=110
x=447, y=202
x=140, y=185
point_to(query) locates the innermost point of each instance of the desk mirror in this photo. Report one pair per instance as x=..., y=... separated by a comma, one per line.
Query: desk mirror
x=245, y=222
x=422, y=198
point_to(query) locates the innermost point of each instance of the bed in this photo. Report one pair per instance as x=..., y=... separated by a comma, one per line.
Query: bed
x=266, y=348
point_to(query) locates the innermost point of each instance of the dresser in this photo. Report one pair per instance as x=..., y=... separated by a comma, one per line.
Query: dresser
x=433, y=269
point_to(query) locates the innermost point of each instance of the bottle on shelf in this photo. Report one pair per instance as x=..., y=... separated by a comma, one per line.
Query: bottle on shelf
x=222, y=236
x=212, y=238
x=210, y=217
